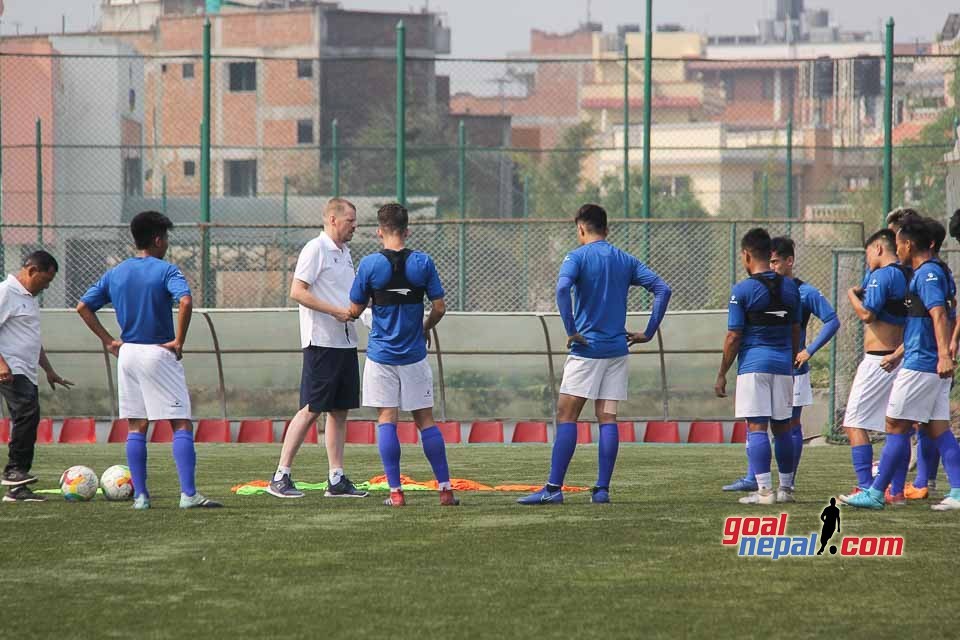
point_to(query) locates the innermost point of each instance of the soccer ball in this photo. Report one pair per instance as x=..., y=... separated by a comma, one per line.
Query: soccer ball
x=78, y=484
x=116, y=483
x=875, y=469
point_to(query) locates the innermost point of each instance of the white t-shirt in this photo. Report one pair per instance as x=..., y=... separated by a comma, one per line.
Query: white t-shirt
x=19, y=328
x=329, y=272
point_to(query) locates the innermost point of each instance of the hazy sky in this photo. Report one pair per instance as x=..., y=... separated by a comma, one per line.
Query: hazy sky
x=491, y=28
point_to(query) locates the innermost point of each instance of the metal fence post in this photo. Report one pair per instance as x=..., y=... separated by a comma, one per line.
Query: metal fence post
x=626, y=131
x=401, y=124
x=3, y=268
x=39, y=149
x=789, y=173
x=888, y=122
x=647, y=112
x=766, y=195
x=833, y=346
x=733, y=253
x=462, y=203
x=525, y=271
x=205, y=127
x=335, y=142
x=284, y=251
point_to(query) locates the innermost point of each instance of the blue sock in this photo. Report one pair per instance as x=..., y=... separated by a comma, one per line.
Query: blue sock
x=137, y=461
x=750, y=474
x=796, y=434
x=899, y=480
x=608, y=446
x=863, y=464
x=389, y=445
x=890, y=458
x=436, y=452
x=564, y=446
x=783, y=450
x=186, y=458
x=950, y=455
x=928, y=459
x=758, y=451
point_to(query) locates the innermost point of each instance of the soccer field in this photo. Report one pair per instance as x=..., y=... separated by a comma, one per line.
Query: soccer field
x=648, y=565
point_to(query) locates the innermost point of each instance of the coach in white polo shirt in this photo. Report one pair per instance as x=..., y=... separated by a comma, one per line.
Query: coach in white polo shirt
x=330, y=379
x=20, y=353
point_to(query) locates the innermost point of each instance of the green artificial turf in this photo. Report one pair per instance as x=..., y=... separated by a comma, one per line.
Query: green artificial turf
x=649, y=565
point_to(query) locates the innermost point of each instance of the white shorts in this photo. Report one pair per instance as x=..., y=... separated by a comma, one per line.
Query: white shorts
x=408, y=387
x=919, y=396
x=802, y=392
x=764, y=395
x=869, y=395
x=151, y=384
x=595, y=379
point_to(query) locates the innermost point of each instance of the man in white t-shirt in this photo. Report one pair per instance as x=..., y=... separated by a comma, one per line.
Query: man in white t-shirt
x=330, y=379
x=20, y=353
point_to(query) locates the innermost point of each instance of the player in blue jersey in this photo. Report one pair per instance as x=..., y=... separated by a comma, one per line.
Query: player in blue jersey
x=596, y=369
x=396, y=375
x=813, y=303
x=763, y=335
x=921, y=391
x=150, y=380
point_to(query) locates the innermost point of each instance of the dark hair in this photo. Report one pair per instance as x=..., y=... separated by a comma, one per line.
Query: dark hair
x=897, y=216
x=783, y=247
x=593, y=216
x=955, y=225
x=146, y=226
x=393, y=217
x=886, y=236
x=756, y=242
x=938, y=232
x=918, y=232
x=42, y=261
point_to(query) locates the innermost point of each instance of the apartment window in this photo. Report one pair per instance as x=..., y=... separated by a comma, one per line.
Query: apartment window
x=240, y=178
x=304, y=131
x=304, y=68
x=243, y=76
x=189, y=168
x=187, y=70
x=132, y=177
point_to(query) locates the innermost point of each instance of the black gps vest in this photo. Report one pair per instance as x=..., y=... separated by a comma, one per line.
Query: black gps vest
x=398, y=289
x=914, y=303
x=897, y=307
x=776, y=313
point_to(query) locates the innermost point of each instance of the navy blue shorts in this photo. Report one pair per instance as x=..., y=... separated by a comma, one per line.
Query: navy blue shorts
x=330, y=379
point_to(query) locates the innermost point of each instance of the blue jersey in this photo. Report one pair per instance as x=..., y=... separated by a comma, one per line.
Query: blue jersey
x=143, y=291
x=601, y=276
x=929, y=288
x=764, y=348
x=812, y=302
x=951, y=291
x=883, y=286
x=397, y=333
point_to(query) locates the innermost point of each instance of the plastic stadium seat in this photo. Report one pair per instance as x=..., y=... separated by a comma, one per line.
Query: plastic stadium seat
x=119, y=430
x=259, y=431
x=739, y=432
x=78, y=431
x=4, y=430
x=486, y=432
x=450, y=431
x=408, y=432
x=664, y=432
x=627, y=432
x=162, y=431
x=361, y=432
x=705, y=433
x=583, y=433
x=213, y=431
x=530, y=432
x=310, y=438
x=45, y=431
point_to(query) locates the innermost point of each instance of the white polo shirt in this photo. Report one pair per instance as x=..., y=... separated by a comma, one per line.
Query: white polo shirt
x=329, y=271
x=19, y=328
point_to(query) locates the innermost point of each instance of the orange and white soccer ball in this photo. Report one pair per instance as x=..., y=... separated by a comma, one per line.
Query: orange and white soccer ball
x=79, y=484
x=117, y=483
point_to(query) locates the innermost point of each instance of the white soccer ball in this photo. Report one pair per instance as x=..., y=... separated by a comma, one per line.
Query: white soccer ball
x=79, y=484
x=117, y=483
x=875, y=469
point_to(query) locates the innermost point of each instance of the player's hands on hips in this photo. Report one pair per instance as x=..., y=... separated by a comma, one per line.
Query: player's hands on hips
x=176, y=347
x=890, y=362
x=801, y=360
x=637, y=338
x=579, y=339
x=53, y=379
x=343, y=315
x=113, y=346
x=720, y=387
x=945, y=366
